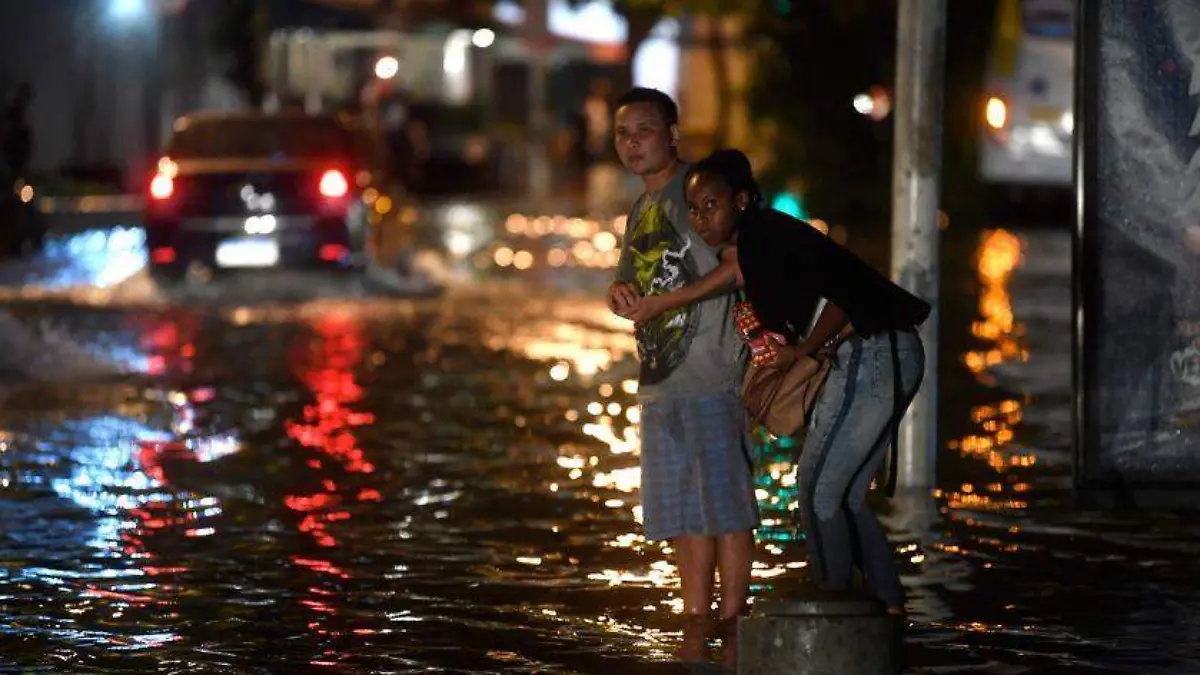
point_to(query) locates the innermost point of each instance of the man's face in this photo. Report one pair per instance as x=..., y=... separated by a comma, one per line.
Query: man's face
x=644, y=142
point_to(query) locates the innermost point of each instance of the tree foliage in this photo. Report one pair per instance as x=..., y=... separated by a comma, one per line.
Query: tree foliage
x=811, y=64
x=814, y=59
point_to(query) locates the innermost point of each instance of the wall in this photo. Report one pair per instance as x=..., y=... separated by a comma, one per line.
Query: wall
x=701, y=101
x=89, y=71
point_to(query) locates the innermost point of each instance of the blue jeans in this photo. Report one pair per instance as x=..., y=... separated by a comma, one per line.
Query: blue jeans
x=846, y=444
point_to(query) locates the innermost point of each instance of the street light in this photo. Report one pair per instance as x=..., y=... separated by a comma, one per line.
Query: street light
x=875, y=104
x=864, y=104
x=387, y=67
x=483, y=38
x=129, y=10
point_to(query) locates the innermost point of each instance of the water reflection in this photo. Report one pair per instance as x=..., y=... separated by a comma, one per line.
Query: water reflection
x=606, y=471
x=545, y=242
x=1003, y=340
x=998, y=255
x=114, y=469
x=451, y=485
x=974, y=525
x=96, y=258
x=168, y=343
x=93, y=267
x=325, y=360
x=994, y=487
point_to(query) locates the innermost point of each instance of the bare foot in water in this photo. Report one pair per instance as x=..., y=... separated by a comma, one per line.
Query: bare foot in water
x=728, y=632
x=697, y=629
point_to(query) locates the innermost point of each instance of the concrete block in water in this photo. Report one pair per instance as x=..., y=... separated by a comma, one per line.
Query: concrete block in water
x=818, y=635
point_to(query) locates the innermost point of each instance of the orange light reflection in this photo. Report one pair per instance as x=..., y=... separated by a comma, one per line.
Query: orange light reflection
x=1002, y=341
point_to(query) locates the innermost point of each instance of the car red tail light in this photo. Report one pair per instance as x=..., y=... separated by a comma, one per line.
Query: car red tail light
x=162, y=187
x=163, y=255
x=332, y=252
x=334, y=184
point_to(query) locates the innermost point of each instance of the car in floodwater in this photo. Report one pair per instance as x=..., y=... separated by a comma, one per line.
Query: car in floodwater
x=251, y=190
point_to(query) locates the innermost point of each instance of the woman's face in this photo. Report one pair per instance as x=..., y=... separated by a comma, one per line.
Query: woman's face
x=713, y=208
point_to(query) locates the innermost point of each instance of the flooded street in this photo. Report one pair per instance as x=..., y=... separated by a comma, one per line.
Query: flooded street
x=438, y=473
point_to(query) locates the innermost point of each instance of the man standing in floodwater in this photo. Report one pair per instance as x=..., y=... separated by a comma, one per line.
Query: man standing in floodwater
x=697, y=483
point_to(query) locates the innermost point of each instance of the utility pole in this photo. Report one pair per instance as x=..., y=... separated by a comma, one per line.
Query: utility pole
x=262, y=51
x=916, y=175
x=538, y=41
x=84, y=87
x=155, y=65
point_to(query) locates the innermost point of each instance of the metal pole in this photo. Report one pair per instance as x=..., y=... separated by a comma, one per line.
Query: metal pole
x=262, y=41
x=916, y=174
x=537, y=35
x=155, y=64
x=83, y=86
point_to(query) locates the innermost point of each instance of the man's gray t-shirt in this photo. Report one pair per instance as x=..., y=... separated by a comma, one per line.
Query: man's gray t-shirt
x=694, y=350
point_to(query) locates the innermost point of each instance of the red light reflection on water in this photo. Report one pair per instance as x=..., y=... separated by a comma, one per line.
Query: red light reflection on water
x=326, y=365
x=326, y=361
x=170, y=344
x=156, y=513
x=168, y=341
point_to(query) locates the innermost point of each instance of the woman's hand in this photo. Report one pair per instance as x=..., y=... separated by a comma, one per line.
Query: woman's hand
x=784, y=356
x=647, y=308
x=1191, y=238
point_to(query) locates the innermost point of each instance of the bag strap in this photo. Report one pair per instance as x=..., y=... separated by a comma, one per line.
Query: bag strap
x=898, y=406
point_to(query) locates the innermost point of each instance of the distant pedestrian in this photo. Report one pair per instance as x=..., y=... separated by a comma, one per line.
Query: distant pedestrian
x=16, y=135
x=597, y=120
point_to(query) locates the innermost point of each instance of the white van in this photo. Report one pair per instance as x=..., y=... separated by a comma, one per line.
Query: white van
x=1027, y=113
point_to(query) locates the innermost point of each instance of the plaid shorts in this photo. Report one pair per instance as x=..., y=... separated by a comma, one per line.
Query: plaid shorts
x=697, y=475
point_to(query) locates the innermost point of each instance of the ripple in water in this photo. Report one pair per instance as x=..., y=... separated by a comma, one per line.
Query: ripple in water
x=453, y=487
x=108, y=268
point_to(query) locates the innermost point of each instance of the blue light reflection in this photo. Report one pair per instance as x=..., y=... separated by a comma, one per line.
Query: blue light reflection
x=96, y=258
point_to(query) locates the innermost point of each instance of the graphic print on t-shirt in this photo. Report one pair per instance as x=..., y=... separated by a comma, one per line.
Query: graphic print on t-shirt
x=661, y=264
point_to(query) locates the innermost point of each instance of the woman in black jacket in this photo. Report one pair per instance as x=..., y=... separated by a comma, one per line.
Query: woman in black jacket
x=867, y=321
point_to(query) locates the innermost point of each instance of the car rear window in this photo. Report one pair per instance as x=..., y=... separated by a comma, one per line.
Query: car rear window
x=298, y=137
